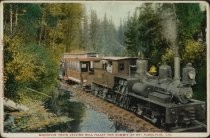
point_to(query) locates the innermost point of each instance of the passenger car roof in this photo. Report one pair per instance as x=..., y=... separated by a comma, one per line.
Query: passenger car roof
x=83, y=59
x=118, y=58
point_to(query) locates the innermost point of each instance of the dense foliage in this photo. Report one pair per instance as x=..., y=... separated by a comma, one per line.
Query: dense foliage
x=143, y=34
x=35, y=37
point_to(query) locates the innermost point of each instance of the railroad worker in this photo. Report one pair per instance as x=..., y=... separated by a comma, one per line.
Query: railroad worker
x=109, y=67
x=153, y=70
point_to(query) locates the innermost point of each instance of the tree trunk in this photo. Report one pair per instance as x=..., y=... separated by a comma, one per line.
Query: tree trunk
x=12, y=106
x=16, y=17
x=41, y=30
x=11, y=22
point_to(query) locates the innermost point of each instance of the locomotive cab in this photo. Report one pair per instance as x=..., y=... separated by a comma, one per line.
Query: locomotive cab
x=105, y=71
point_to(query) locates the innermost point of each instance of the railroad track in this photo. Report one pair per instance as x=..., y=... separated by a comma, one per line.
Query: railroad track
x=115, y=113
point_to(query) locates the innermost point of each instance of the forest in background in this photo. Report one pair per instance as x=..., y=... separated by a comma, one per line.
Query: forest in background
x=37, y=35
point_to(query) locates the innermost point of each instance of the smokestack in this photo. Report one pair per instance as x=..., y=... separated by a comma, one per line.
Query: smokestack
x=176, y=65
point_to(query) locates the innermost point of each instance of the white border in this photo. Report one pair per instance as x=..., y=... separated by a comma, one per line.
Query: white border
x=1, y=68
x=150, y=134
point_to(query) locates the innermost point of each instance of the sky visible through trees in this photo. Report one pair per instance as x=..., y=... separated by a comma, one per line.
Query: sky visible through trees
x=115, y=10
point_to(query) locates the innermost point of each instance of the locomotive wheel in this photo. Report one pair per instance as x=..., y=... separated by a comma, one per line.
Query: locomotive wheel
x=127, y=102
x=104, y=95
x=161, y=122
x=124, y=102
x=96, y=92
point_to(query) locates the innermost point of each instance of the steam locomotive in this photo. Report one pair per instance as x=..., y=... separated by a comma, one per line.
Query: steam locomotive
x=124, y=81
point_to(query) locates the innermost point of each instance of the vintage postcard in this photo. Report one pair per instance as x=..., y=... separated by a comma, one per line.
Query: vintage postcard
x=104, y=68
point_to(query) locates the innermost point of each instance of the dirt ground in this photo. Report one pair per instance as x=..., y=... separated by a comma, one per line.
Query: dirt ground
x=36, y=118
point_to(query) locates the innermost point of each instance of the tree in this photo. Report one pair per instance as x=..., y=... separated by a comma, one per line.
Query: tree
x=34, y=44
x=72, y=25
x=20, y=66
x=144, y=34
x=29, y=65
x=130, y=35
x=85, y=33
x=190, y=27
x=120, y=33
x=94, y=28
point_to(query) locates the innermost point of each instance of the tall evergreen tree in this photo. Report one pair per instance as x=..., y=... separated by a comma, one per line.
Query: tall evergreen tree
x=94, y=26
x=85, y=33
x=130, y=35
x=120, y=33
x=143, y=34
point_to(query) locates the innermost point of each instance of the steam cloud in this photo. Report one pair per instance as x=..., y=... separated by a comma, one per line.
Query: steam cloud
x=170, y=29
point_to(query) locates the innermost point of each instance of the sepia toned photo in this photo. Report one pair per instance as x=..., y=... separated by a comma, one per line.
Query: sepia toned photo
x=104, y=68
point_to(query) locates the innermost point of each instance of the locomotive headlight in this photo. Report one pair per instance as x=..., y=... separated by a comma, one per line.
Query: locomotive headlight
x=191, y=75
x=188, y=94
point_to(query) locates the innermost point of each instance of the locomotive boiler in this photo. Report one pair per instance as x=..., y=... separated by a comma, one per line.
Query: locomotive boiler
x=163, y=100
x=174, y=89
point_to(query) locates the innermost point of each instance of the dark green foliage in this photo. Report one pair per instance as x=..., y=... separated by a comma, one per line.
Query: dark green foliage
x=144, y=34
x=28, y=19
x=44, y=58
x=192, y=22
x=30, y=66
x=27, y=64
x=130, y=37
x=201, y=87
x=190, y=17
x=11, y=87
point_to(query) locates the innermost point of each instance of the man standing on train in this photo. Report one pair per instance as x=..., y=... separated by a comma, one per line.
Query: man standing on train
x=109, y=67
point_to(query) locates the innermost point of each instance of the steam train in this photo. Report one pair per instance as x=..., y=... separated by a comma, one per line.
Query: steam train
x=124, y=81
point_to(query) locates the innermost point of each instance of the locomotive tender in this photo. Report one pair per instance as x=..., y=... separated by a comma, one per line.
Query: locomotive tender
x=163, y=100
